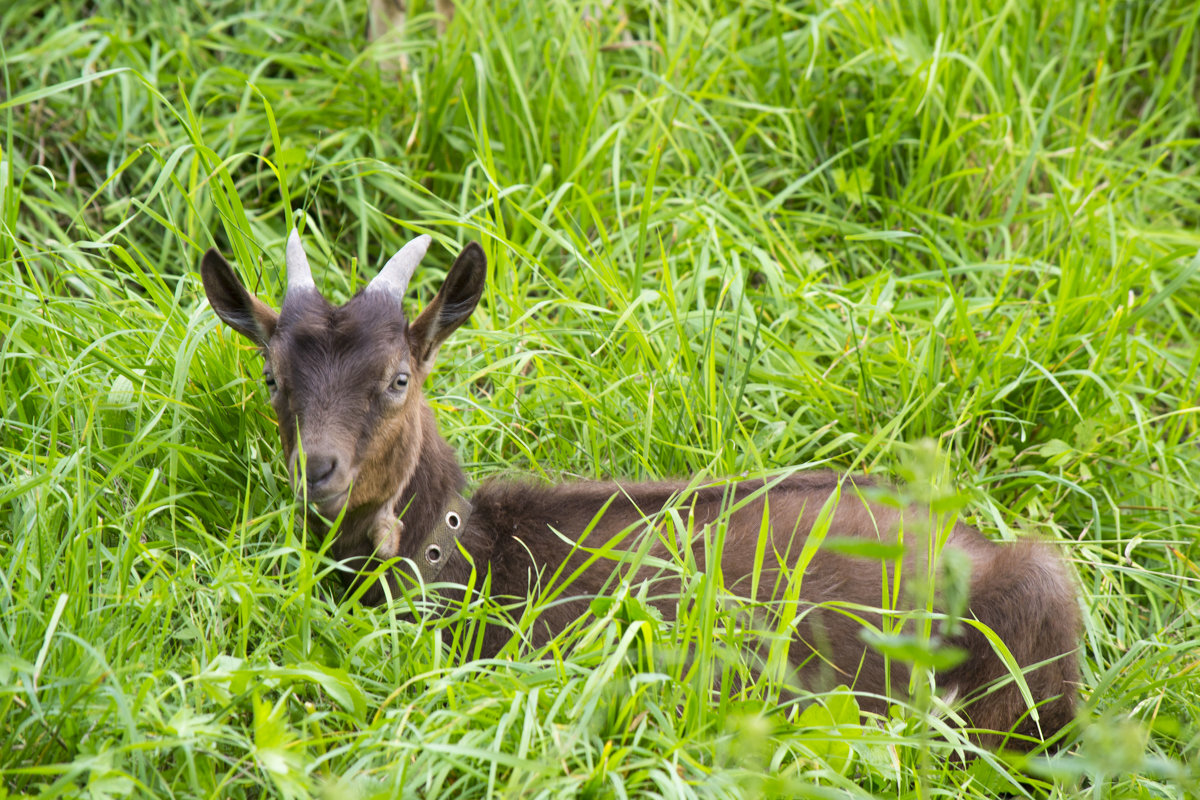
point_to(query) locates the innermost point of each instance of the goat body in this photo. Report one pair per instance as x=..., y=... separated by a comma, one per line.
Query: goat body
x=346, y=382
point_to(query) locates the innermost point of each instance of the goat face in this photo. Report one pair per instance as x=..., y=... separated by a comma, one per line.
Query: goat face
x=345, y=380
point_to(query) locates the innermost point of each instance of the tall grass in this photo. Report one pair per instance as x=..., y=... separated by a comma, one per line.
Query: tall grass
x=948, y=244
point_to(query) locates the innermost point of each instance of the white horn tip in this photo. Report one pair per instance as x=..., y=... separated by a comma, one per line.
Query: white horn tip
x=419, y=245
x=299, y=276
x=397, y=272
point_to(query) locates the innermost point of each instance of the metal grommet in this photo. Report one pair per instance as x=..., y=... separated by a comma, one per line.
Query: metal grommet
x=453, y=520
x=434, y=554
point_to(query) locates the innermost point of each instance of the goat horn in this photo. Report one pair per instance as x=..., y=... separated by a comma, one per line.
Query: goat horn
x=299, y=275
x=397, y=272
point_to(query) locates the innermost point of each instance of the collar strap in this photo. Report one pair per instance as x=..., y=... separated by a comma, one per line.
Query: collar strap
x=442, y=539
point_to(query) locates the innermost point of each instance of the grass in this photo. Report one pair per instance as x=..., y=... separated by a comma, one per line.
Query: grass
x=948, y=244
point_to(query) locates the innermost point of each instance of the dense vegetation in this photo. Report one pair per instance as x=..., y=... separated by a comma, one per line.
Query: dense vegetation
x=949, y=244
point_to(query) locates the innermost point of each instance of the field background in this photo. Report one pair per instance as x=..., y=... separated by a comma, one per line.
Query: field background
x=945, y=244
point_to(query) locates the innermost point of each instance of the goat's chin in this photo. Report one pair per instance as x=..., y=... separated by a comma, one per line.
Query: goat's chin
x=327, y=504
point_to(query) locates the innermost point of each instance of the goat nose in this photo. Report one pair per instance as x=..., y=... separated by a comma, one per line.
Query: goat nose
x=319, y=469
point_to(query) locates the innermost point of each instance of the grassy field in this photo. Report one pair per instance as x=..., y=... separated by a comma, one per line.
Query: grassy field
x=949, y=245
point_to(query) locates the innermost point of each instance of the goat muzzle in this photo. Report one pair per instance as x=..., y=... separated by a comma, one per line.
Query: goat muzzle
x=325, y=475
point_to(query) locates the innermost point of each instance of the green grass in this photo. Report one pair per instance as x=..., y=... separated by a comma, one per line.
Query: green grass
x=947, y=244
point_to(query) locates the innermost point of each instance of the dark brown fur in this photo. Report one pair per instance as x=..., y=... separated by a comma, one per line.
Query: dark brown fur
x=382, y=461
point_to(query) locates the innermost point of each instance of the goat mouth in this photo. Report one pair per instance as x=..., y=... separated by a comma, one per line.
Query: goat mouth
x=328, y=500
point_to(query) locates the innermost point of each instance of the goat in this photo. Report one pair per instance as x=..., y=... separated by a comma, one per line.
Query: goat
x=345, y=382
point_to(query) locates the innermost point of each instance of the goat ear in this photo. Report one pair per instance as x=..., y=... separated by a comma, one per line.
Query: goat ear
x=452, y=307
x=239, y=309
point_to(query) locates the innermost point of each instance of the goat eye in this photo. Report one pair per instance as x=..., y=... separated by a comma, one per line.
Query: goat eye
x=400, y=382
x=269, y=380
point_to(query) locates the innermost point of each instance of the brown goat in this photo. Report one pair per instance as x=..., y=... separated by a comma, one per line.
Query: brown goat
x=345, y=382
